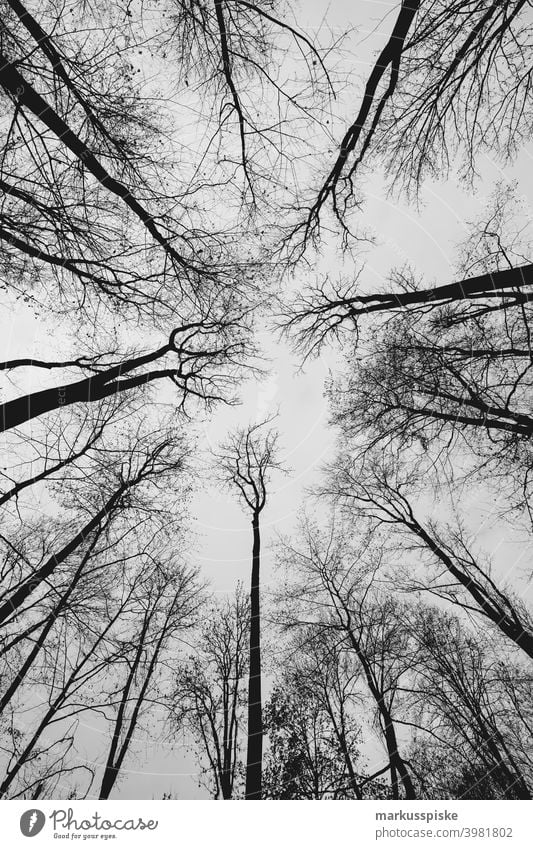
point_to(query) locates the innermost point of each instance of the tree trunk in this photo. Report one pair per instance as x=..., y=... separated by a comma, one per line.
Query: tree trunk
x=31, y=583
x=255, y=720
x=111, y=770
x=397, y=763
x=496, y=607
x=49, y=624
x=225, y=784
x=96, y=387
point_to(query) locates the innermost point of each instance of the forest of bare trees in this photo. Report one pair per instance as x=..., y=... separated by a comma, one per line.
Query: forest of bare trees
x=191, y=197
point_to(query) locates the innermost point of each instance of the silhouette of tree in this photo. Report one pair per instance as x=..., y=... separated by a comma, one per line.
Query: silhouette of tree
x=379, y=492
x=311, y=723
x=334, y=591
x=209, y=695
x=246, y=461
x=462, y=704
x=168, y=606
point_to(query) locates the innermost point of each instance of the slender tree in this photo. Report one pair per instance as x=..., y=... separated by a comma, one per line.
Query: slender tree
x=380, y=493
x=209, y=697
x=247, y=460
x=462, y=704
x=335, y=591
x=168, y=606
x=312, y=723
x=444, y=73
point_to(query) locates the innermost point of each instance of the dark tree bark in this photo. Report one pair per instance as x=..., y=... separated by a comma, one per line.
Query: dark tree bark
x=95, y=388
x=186, y=342
x=26, y=96
x=494, y=604
x=383, y=501
x=398, y=766
x=246, y=461
x=169, y=608
x=85, y=667
x=118, y=748
x=319, y=314
x=50, y=621
x=151, y=464
x=254, y=755
x=29, y=585
x=388, y=59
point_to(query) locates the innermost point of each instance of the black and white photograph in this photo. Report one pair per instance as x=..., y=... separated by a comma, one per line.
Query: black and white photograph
x=266, y=358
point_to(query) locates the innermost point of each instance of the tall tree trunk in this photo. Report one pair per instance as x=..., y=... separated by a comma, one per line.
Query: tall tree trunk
x=397, y=764
x=124, y=729
x=32, y=582
x=225, y=784
x=255, y=719
x=111, y=770
x=50, y=621
x=56, y=705
x=492, y=603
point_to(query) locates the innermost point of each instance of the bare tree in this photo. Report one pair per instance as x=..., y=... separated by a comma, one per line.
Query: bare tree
x=335, y=590
x=451, y=78
x=234, y=51
x=139, y=469
x=200, y=349
x=100, y=196
x=339, y=180
x=464, y=89
x=246, y=461
x=312, y=724
x=379, y=492
x=167, y=606
x=323, y=311
x=69, y=675
x=74, y=638
x=62, y=444
x=59, y=105
x=463, y=705
x=209, y=694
